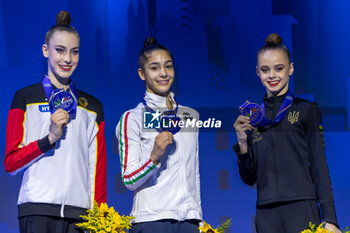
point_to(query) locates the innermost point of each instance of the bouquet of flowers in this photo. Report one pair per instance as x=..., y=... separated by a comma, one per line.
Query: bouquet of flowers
x=206, y=228
x=102, y=219
x=320, y=229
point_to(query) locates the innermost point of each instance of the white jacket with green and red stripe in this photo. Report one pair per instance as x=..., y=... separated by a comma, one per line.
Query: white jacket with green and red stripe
x=170, y=190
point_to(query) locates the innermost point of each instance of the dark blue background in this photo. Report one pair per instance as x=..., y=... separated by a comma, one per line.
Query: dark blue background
x=214, y=44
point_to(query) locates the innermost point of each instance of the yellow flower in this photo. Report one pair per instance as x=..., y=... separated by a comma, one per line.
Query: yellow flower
x=306, y=231
x=207, y=228
x=319, y=229
x=102, y=219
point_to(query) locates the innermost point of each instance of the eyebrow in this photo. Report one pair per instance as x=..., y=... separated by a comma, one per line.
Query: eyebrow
x=266, y=66
x=154, y=63
x=61, y=46
x=263, y=66
x=158, y=63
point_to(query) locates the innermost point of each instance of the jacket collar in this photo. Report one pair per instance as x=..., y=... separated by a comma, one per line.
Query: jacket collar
x=156, y=101
x=274, y=100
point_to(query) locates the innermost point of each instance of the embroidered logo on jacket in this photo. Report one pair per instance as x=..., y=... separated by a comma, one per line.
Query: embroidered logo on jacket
x=256, y=135
x=83, y=102
x=44, y=108
x=293, y=117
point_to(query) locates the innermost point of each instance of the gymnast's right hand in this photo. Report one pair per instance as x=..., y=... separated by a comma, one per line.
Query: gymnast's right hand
x=163, y=140
x=59, y=119
x=242, y=126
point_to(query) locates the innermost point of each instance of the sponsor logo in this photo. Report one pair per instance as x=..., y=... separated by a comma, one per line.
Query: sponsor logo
x=44, y=108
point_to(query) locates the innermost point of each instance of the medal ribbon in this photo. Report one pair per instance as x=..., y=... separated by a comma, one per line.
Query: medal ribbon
x=287, y=102
x=165, y=112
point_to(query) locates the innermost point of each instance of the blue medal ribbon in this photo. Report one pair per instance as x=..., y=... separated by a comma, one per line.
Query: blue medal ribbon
x=287, y=102
x=61, y=99
x=256, y=113
x=166, y=117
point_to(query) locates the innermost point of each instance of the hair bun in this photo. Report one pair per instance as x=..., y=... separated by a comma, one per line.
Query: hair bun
x=149, y=40
x=63, y=18
x=273, y=38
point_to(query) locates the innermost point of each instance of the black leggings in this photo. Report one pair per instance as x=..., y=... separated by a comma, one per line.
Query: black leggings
x=48, y=224
x=287, y=217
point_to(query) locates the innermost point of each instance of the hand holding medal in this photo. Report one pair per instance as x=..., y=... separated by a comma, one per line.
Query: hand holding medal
x=242, y=125
x=63, y=107
x=251, y=115
x=162, y=141
x=59, y=119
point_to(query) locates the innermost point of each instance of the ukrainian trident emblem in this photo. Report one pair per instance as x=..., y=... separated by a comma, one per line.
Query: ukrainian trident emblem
x=293, y=117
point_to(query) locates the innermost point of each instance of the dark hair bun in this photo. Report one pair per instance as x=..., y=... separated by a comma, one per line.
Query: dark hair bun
x=63, y=18
x=149, y=40
x=273, y=38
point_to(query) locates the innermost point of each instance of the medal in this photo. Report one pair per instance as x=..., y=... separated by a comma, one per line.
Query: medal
x=61, y=99
x=253, y=111
x=170, y=122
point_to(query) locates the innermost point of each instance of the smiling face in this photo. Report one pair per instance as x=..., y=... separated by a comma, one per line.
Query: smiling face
x=158, y=72
x=62, y=52
x=274, y=69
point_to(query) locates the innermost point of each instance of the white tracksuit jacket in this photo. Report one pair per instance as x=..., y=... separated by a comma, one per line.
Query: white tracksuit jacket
x=170, y=190
x=72, y=173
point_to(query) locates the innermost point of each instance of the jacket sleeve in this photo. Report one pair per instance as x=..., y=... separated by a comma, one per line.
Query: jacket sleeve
x=246, y=165
x=197, y=173
x=318, y=164
x=20, y=154
x=136, y=168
